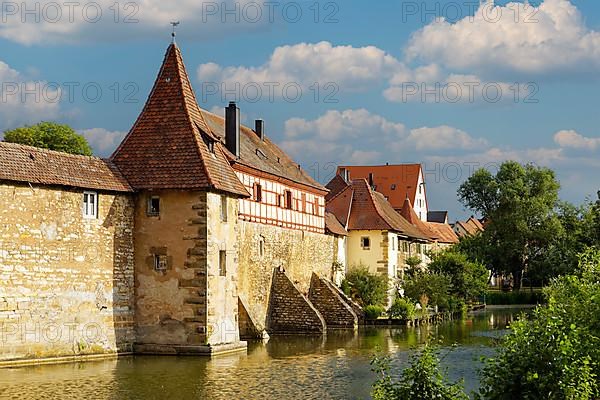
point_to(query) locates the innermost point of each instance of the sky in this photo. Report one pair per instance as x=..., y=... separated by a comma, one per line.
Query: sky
x=454, y=85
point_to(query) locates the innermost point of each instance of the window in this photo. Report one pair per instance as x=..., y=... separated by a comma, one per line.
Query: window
x=160, y=263
x=420, y=188
x=90, y=205
x=279, y=200
x=261, y=246
x=153, y=206
x=405, y=247
x=257, y=192
x=316, y=207
x=365, y=242
x=394, y=186
x=303, y=202
x=223, y=263
x=224, y=208
x=288, y=199
x=393, y=242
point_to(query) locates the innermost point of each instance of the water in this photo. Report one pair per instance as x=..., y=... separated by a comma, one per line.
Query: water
x=336, y=367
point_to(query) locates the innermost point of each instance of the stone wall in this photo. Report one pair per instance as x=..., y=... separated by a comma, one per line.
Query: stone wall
x=335, y=311
x=289, y=310
x=262, y=248
x=66, y=282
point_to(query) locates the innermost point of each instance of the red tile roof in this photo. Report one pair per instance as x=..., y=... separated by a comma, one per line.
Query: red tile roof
x=19, y=163
x=332, y=225
x=409, y=214
x=365, y=209
x=335, y=186
x=166, y=148
x=261, y=155
x=444, y=231
x=393, y=181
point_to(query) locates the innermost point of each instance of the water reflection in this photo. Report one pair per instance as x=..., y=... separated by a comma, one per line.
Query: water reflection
x=331, y=367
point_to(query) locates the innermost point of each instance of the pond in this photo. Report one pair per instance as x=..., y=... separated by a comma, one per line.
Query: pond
x=332, y=367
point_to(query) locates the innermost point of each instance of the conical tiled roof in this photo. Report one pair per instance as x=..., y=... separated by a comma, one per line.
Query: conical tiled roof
x=167, y=146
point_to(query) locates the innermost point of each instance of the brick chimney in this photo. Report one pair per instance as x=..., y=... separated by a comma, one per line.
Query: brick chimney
x=232, y=128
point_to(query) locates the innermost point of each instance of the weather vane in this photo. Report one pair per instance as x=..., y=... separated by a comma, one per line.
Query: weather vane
x=175, y=24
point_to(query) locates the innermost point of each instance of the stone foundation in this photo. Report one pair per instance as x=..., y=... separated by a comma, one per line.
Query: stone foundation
x=334, y=309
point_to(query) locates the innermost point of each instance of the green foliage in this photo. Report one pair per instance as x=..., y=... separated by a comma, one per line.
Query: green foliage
x=519, y=297
x=469, y=279
x=556, y=353
x=49, y=135
x=435, y=288
x=402, y=309
x=413, y=263
x=519, y=202
x=364, y=287
x=373, y=311
x=421, y=380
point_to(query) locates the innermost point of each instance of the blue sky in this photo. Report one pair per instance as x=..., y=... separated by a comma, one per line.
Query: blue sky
x=373, y=59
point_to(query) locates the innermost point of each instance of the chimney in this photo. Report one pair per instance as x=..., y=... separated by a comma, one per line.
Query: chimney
x=232, y=128
x=345, y=174
x=259, y=128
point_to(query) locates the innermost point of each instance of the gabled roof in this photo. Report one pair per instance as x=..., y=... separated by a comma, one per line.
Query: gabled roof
x=445, y=232
x=19, y=163
x=166, y=148
x=394, y=181
x=260, y=155
x=332, y=225
x=365, y=209
x=437, y=216
x=409, y=214
x=470, y=227
x=335, y=186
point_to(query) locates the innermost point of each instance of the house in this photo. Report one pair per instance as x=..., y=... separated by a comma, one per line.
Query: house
x=379, y=238
x=196, y=233
x=395, y=182
x=470, y=227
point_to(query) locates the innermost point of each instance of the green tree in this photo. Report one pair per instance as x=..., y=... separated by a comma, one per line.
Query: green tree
x=421, y=380
x=555, y=354
x=366, y=288
x=50, y=135
x=519, y=204
x=469, y=279
x=429, y=288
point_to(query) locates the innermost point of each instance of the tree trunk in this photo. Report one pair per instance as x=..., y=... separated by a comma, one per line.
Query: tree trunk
x=517, y=279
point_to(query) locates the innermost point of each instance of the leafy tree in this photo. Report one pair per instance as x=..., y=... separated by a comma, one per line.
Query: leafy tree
x=519, y=202
x=413, y=263
x=421, y=380
x=555, y=354
x=366, y=288
x=49, y=135
x=429, y=288
x=469, y=279
x=402, y=308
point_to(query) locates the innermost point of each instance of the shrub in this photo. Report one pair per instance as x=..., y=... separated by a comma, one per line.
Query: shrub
x=469, y=279
x=514, y=298
x=402, y=309
x=555, y=354
x=421, y=380
x=365, y=288
x=373, y=312
x=433, y=287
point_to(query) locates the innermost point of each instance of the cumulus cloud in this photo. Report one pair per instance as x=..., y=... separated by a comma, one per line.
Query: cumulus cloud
x=22, y=101
x=351, y=68
x=44, y=22
x=443, y=137
x=515, y=38
x=103, y=141
x=572, y=139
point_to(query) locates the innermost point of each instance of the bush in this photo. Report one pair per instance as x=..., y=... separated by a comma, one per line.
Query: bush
x=514, y=298
x=365, y=288
x=555, y=354
x=373, y=312
x=469, y=279
x=421, y=380
x=402, y=309
x=434, y=288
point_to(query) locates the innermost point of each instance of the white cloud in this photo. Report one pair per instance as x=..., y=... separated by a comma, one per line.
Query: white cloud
x=351, y=68
x=103, y=141
x=43, y=22
x=443, y=137
x=515, y=38
x=25, y=101
x=336, y=125
x=572, y=139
